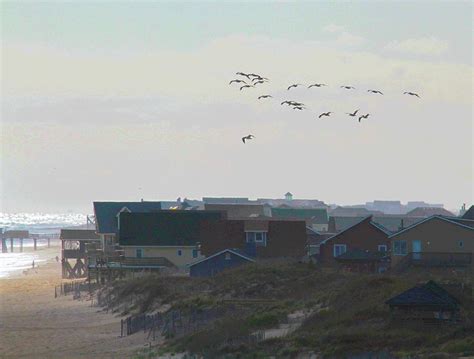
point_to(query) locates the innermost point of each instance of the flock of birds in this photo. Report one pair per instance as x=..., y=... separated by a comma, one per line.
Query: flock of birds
x=253, y=80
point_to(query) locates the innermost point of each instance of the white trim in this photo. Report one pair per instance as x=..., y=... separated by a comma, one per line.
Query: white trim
x=219, y=253
x=257, y=230
x=382, y=245
x=428, y=219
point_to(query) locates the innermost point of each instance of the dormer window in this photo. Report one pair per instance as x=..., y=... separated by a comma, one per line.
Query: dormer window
x=124, y=209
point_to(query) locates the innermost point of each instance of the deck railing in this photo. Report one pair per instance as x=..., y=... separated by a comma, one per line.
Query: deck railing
x=434, y=259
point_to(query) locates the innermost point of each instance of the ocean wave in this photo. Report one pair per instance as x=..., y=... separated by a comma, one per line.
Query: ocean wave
x=41, y=221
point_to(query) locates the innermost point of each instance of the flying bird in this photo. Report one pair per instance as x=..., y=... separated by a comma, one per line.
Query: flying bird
x=248, y=137
x=264, y=96
x=353, y=113
x=325, y=114
x=375, y=91
x=237, y=81
x=294, y=85
x=348, y=87
x=292, y=103
x=411, y=94
x=259, y=82
x=243, y=74
x=364, y=116
x=298, y=108
x=260, y=78
x=246, y=86
x=316, y=85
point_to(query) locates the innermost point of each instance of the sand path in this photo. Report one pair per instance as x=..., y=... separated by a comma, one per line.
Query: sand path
x=34, y=324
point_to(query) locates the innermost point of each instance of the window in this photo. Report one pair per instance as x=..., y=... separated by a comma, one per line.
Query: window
x=139, y=253
x=339, y=249
x=227, y=256
x=259, y=238
x=461, y=244
x=382, y=248
x=180, y=252
x=400, y=248
x=195, y=253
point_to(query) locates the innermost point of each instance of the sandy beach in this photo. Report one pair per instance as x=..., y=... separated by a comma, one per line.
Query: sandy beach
x=34, y=324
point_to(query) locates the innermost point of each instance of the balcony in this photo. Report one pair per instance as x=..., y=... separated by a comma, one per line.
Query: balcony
x=439, y=259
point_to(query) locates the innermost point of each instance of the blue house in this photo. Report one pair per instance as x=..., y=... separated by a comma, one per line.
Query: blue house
x=227, y=258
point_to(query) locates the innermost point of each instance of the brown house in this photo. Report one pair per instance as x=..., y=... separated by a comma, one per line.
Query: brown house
x=260, y=238
x=435, y=241
x=364, y=236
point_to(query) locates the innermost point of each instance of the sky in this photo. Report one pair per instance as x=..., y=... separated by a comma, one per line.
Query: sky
x=127, y=100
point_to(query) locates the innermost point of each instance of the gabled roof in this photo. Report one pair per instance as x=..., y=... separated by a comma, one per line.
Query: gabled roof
x=427, y=295
x=233, y=251
x=469, y=213
x=428, y=211
x=367, y=219
x=164, y=228
x=106, y=213
x=319, y=215
x=446, y=219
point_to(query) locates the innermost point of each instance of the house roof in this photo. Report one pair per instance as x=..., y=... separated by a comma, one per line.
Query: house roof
x=446, y=219
x=78, y=234
x=319, y=215
x=106, y=213
x=368, y=220
x=353, y=212
x=164, y=228
x=225, y=200
x=429, y=211
x=469, y=213
x=236, y=252
x=429, y=294
x=237, y=210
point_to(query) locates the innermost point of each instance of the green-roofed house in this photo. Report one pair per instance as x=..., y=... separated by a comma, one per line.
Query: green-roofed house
x=172, y=236
x=316, y=218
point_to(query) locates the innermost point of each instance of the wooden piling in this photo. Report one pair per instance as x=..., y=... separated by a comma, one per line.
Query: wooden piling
x=11, y=245
x=4, y=246
x=49, y=242
x=34, y=241
x=21, y=244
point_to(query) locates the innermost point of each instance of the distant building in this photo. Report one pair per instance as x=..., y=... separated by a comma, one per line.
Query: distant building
x=393, y=223
x=428, y=302
x=429, y=211
x=434, y=241
x=240, y=210
x=173, y=235
x=263, y=238
x=316, y=218
x=288, y=196
x=353, y=212
x=469, y=214
x=225, y=200
x=107, y=219
x=216, y=263
x=364, y=236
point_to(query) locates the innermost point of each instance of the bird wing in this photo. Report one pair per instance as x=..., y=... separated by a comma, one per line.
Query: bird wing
x=243, y=139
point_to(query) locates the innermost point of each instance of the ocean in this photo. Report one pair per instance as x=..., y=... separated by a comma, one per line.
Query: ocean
x=42, y=224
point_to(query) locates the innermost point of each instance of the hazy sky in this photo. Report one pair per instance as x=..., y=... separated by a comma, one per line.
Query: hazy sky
x=122, y=101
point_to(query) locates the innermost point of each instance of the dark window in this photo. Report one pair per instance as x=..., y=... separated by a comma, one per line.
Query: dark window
x=180, y=252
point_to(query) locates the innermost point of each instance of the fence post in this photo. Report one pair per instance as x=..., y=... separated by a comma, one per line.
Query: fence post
x=121, y=327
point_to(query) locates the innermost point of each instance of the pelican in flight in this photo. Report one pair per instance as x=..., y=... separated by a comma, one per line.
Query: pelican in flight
x=325, y=114
x=364, y=116
x=316, y=85
x=375, y=91
x=264, y=96
x=348, y=87
x=299, y=108
x=243, y=74
x=411, y=94
x=294, y=85
x=246, y=86
x=353, y=114
x=248, y=137
x=237, y=82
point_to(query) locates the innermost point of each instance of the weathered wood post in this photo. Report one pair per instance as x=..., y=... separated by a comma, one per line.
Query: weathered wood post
x=21, y=244
x=34, y=243
x=49, y=242
x=11, y=245
x=4, y=245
